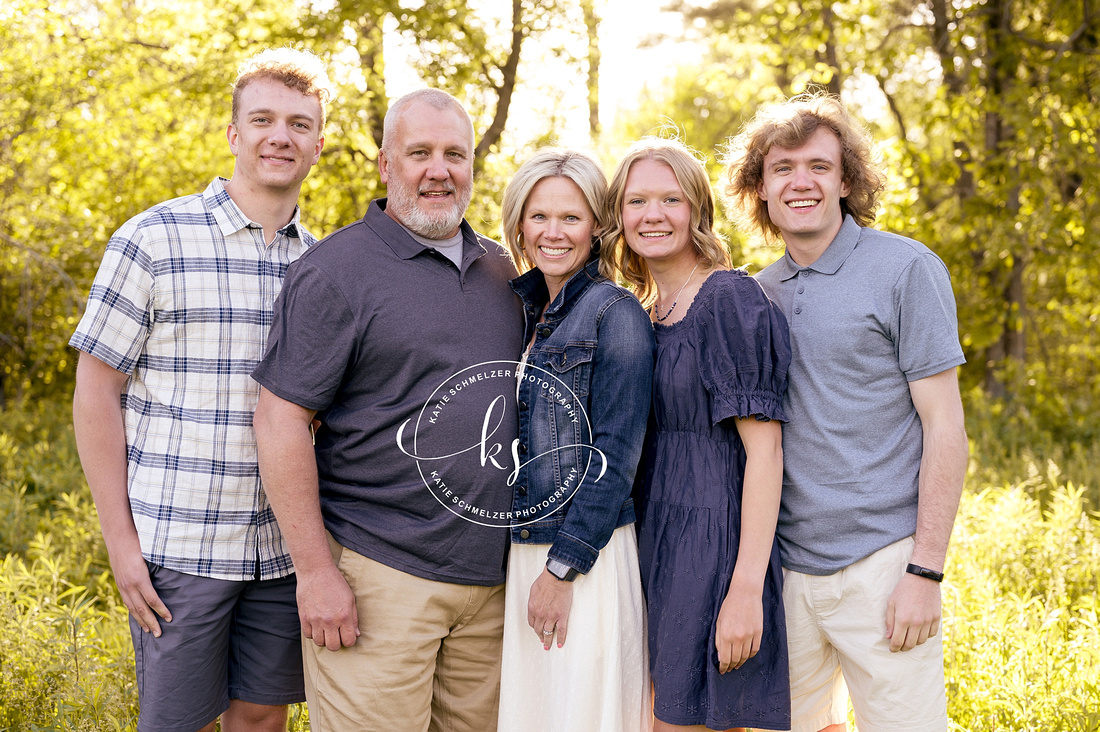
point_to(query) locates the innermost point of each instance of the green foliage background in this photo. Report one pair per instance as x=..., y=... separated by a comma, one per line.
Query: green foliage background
x=1021, y=629
x=987, y=112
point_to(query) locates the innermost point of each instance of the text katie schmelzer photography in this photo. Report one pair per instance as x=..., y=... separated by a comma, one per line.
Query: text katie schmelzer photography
x=441, y=449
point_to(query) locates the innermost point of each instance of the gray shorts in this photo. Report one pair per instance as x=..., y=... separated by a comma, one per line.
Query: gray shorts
x=227, y=640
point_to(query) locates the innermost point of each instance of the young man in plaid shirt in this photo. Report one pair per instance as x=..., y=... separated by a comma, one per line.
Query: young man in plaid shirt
x=177, y=318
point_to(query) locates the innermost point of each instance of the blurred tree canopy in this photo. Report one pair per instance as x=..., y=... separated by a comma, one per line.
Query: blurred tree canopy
x=986, y=111
x=987, y=117
x=112, y=106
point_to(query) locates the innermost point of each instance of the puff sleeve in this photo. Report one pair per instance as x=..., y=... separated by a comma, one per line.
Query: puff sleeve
x=744, y=351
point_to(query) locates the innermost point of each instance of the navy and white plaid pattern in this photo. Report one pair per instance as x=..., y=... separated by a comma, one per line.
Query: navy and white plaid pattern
x=183, y=304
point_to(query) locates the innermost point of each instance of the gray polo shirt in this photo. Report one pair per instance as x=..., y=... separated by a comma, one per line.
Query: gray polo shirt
x=383, y=336
x=872, y=314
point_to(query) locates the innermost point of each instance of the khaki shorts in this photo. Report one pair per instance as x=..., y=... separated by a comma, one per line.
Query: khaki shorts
x=428, y=657
x=836, y=634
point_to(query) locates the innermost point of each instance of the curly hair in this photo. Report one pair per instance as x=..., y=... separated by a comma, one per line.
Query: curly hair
x=301, y=71
x=552, y=162
x=789, y=125
x=691, y=174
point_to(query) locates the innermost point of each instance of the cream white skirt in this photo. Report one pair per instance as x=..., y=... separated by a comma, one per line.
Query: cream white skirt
x=599, y=681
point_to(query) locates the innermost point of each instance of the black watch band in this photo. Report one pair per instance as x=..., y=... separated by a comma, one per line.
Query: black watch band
x=924, y=572
x=561, y=570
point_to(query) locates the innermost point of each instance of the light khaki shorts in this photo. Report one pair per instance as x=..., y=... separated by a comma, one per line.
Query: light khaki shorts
x=428, y=657
x=836, y=635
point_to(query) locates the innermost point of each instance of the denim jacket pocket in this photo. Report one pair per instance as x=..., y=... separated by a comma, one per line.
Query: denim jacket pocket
x=565, y=423
x=572, y=364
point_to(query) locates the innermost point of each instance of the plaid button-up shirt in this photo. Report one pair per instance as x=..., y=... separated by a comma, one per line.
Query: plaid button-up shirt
x=182, y=303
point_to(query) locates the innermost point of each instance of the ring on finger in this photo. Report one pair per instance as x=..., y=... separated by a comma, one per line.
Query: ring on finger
x=548, y=632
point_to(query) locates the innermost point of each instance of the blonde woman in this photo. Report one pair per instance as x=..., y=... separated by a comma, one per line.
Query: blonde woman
x=574, y=638
x=714, y=460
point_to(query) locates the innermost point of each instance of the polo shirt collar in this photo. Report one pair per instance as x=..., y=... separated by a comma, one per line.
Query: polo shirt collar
x=398, y=240
x=229, y=217
x=834, y=256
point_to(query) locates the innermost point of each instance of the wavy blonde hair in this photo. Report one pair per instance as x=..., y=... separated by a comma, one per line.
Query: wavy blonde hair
x=553, y=162
x=789, y=125
x=691, y=174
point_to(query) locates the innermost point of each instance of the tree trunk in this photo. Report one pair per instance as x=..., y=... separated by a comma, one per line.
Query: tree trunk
x=504, y=91
x=372, y=62
x=999, y=133
x=829, y=55
x=592, y=26
x=997, y=163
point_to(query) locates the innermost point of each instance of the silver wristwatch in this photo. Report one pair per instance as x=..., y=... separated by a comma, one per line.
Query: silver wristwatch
x=561, y=570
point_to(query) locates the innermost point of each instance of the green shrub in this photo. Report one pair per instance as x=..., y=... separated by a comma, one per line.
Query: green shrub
x=1005, y=447
x=66, y=662
x=65, y=658
x=1021, y=629
x=1022, y=641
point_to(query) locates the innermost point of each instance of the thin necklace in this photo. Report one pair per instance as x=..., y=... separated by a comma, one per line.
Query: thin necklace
x=657, y=309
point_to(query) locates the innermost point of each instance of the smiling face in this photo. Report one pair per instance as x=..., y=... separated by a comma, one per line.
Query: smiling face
x=656, y=213
x=803, y=187
x=557, y=230
x=428, y=169
x=276, y=139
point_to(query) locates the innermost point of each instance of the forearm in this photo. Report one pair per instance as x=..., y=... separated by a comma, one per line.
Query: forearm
x=943, y=466
x=761, y=489
x=592, y=514
x=101, y=444
x=942, y=471
x=739, y=627
x=618, y=411
x=915, y=606
x=288, y=471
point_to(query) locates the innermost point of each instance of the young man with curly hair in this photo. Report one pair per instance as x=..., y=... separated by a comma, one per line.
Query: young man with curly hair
x=875, y=450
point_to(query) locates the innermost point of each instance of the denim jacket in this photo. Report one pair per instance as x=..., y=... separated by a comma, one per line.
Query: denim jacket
x=596, y=342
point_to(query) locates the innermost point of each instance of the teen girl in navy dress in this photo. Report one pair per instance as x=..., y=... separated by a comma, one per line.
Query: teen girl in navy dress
x=714, y=464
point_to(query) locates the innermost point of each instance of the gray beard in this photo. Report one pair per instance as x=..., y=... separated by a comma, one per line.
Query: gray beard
x=439, y=226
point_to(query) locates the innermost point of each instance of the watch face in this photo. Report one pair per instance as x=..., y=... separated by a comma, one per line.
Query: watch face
x=561, y=570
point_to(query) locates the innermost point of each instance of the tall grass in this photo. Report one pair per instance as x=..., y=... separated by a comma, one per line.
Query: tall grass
x=66, y=662
x=1021, y=630
x=65, y=659
x=1021, y=633
x=1005, y=447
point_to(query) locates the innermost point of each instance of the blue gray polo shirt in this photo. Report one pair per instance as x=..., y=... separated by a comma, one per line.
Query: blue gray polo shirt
x=872, y=314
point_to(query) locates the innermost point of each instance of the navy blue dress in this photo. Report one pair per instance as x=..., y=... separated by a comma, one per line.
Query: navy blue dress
x=728, y=357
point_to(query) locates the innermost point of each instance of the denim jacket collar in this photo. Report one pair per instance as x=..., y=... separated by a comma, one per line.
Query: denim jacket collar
x=586, y=387
x=531, y=288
